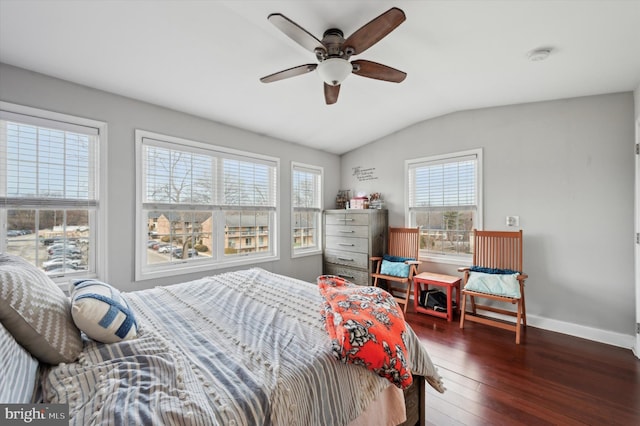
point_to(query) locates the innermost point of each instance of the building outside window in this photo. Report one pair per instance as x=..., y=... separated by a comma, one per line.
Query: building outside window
x=445, y=200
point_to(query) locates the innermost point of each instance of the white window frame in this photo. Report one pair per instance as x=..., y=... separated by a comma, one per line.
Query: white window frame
x=98, y=262
x=445, y=158
x=145, y=271
x=317, y=210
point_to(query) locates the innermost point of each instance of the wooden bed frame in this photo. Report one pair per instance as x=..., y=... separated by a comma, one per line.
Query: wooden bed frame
x=414, y=399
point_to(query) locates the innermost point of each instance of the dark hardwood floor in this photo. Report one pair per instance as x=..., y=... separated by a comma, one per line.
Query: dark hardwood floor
x=549, y=379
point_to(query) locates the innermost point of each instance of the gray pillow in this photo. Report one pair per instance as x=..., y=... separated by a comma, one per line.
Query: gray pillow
x=37, y=312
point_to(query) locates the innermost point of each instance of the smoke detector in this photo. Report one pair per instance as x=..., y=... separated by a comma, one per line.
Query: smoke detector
x=539, y=54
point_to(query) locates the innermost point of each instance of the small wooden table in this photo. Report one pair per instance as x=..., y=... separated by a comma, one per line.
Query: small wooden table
x=440, y=280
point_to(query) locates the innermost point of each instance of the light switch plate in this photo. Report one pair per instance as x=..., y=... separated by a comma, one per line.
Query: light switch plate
x=513, y=220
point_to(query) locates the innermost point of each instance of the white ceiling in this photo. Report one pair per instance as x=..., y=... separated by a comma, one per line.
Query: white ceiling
x=206, y=58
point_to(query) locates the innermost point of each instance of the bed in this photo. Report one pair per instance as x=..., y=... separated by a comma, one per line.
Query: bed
x=244, y=348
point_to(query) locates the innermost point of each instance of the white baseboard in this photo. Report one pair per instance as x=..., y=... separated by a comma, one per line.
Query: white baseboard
x=626, y=341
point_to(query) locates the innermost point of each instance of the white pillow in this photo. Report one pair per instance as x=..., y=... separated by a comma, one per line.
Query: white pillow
x=100, y=311
x=499, y=284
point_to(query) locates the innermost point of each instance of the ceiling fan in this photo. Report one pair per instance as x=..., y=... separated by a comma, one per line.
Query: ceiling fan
x=333, y=52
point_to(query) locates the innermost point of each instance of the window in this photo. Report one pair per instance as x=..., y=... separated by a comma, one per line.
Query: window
x=306, y=204
x=202, y=206
x=444, y=199
x=50, y=190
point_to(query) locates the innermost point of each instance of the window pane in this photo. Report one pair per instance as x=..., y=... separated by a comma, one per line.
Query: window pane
x=443, y=184
x=247, y=183
x=22, y=238
x=304, y=230
x=246, y=232
x=175, y=236
x=177, y=177
x=57, y=241
x=22, y=165
x=306, y=189
x=49, y=163
x=445, y=232
x=65, y=234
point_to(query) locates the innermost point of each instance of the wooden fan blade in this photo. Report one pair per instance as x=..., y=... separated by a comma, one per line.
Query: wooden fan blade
x=295, y=32
x=378, y=71
x=374, y=31
x=291, y=72
x=331, y=93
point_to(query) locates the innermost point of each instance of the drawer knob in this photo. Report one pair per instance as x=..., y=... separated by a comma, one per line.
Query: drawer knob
x=346, y=244
x=346, y=259
x=347, y=232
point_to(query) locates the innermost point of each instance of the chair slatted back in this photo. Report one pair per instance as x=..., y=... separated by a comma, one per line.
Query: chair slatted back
x=404, y=242
x=498, y=249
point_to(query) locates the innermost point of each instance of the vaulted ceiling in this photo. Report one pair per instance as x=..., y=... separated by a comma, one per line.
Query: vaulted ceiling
x=206, y=58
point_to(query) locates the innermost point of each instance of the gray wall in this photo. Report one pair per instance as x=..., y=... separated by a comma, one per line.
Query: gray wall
x=123, y=116
x=566, y=168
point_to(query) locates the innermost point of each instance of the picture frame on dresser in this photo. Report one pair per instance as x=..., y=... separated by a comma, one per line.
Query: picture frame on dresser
x=351, y=238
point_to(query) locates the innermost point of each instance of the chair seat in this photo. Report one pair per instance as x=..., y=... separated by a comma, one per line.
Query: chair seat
x=489, y=295
x=391, y=278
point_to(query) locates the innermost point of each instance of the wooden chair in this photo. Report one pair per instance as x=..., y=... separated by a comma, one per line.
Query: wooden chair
x=403, y=242
x=499, y=250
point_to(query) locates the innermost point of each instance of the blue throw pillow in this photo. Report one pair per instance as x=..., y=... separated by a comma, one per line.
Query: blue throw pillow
x=396, y=258
x=486, y=270
x=396, y=269
x=102, y=312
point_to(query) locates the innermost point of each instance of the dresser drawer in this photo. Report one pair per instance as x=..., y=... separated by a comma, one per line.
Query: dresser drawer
x=348, y=231
x=353, y=275
x=347, y=219
x=358, y=245
x=347, y=258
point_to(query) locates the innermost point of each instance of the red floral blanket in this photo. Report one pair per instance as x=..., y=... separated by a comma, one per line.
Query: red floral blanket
x=366, y=328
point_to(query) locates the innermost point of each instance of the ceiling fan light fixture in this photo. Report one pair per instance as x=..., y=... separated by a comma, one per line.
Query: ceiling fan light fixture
x=333, y=71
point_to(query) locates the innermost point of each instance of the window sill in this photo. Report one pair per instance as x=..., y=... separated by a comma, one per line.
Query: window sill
x=65, y=282
x=448, y=260
x=193, y=267
x=305, y=253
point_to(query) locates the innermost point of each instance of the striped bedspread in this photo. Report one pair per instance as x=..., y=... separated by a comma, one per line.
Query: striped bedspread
x=243, y=348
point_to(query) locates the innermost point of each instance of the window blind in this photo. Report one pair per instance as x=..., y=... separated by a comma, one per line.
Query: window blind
x=197, y=178
x=47, y=162
x=177, y=177
x=248, y=183
x=443, y=185
x=306, y=188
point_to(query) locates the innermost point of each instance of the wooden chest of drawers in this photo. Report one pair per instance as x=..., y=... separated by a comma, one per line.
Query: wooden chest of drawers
x=351, y=237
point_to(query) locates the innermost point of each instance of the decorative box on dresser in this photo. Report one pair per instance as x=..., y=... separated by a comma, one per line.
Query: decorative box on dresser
x=351, y=237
